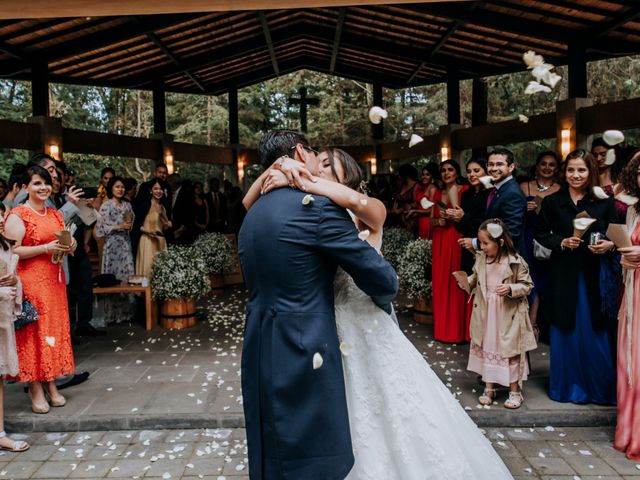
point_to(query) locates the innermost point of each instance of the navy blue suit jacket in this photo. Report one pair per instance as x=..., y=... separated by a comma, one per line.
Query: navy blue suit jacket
x=296, y=416
x=510, y=205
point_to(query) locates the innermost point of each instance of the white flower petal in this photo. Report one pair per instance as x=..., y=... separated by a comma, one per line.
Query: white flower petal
x=425, y=203
x=523, y=118
x=539, y=72
x=376, y=114
x=486, y=181
x=50, y=340
x=415, y=139
x=345, y=348
x=307, y=199
x=317, y=360
x=613, y=137
x=600, y=193
x=535, y=87
x=531, y=59
x=582, y=223
x=611, y=157
x=494, y=230
x=364, y=234
x=364, y=201
x=551, y=79
x=626, y=198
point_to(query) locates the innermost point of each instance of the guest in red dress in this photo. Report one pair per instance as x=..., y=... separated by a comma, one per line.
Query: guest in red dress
x=627, y=437
x=430, y=175
x=44, y=347
x=450, y=319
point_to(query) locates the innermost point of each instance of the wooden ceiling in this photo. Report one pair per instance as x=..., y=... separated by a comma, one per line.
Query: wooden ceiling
x=396, y=45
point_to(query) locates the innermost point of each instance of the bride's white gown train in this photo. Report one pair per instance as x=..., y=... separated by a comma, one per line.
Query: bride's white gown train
x=405, y=423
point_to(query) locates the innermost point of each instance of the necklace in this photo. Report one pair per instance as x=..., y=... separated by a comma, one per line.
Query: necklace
x=35, y=211
x=543, y=188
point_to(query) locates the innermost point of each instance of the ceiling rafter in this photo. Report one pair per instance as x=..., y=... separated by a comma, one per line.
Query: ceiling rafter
x=336, y=40
x=267, y=36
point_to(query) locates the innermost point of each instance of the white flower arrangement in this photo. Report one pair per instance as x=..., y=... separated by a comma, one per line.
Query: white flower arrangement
x=179, y=273
x=414, y=269
x=394, y=240
x=216, y=251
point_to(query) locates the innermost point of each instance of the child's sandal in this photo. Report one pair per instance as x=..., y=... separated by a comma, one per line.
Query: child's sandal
x=514, y=401
x=487, y=396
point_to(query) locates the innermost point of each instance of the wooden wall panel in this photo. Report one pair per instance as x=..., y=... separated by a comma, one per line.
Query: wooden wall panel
x=187, y=152
x=20, y=135
x=98, y=143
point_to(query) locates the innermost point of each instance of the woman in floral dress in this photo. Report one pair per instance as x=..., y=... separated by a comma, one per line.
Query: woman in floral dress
x=114, y=224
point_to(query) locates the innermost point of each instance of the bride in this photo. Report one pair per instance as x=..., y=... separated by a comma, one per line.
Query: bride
x=405, y=424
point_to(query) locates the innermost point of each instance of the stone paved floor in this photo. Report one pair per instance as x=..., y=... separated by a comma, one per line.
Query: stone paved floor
x=529, y=453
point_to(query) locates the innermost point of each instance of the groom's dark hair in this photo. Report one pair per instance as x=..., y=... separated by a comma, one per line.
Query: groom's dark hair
x=277, y=143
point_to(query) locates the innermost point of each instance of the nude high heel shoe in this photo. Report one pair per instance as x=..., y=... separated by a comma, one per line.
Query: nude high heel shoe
x=39, y=407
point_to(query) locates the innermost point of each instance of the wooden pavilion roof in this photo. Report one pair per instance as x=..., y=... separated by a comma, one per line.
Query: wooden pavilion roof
x=396, y=45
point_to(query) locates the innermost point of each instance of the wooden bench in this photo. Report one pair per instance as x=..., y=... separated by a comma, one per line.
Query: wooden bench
x=150, y=305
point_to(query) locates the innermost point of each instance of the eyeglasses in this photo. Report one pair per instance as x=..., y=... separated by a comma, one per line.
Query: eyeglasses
x=308, y=149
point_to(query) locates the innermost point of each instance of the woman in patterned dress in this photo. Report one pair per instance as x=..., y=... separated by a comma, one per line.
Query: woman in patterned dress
x=114, y=224
x=44, y=347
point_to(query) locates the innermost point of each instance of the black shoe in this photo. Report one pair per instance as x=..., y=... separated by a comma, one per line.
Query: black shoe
x=89, y=331
x=77, y=379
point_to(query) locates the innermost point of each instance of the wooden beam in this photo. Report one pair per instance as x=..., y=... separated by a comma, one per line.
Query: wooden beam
x=98, y=143
x=617, y=21
x=622, y=115
x=20, y=135
x=13, y=51
x=95, y=8
x=336, y=40
x=154, y=38
x=267, y=36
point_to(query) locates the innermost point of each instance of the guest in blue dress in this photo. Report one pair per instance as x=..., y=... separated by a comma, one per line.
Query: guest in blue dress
x=544, y=182
x=582, y=368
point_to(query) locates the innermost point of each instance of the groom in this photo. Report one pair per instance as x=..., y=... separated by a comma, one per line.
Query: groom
x=292, y=383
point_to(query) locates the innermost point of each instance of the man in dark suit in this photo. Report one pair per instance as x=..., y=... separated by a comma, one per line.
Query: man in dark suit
x=505, y=200
x=182, y=210
x=217, y=203
x=292, y=379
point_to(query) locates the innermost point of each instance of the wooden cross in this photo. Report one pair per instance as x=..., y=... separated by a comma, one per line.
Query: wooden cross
x=304, y=102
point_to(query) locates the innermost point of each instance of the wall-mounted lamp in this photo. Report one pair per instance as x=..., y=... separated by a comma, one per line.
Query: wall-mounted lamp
x=444, y=153
x=374, y=166
x=54, y=151
x=565, y=144
x=168, y=160
x=240, y=169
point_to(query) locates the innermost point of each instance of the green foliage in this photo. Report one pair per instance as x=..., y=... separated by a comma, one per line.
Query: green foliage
x=215, y=250
x=414, y=269
x=179, y=272
x=394, y=241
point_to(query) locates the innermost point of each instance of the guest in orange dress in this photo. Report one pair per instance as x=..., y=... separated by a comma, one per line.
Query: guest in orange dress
x=627, y=437
x=450, y=318
x=44, y=347
x=430, y=175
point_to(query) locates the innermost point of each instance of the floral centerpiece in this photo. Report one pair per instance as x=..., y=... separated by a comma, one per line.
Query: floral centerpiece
x=415, y=277
x=178, y=273
x=178, y=278
x=215, y=250
x=394, y=241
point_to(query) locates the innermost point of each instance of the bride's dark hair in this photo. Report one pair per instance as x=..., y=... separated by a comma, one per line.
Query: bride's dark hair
x=352, y=172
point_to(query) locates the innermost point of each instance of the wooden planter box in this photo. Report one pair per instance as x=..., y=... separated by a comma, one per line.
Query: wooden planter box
x=423, y=310
x=178, y=313
x=217, y=283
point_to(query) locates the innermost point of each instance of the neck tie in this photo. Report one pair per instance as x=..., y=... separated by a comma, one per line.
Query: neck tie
x=492, y=194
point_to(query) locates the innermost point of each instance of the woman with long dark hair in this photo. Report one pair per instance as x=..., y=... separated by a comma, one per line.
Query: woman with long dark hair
x=151, y=221
x=404, y=204
x=427, y=190
x=582, y=369
x=450, y=317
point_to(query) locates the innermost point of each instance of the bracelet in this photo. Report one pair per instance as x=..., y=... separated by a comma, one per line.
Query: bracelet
x=46, y=249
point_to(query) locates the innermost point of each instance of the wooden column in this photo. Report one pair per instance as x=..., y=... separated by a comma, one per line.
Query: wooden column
x=159, y=108
x=479, y=110
x=453, y=96
x=40, y=90
x=568, y=118
x=50, y=136
x=577, y=71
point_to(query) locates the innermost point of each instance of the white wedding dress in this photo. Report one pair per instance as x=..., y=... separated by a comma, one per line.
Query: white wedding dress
x=405, y=423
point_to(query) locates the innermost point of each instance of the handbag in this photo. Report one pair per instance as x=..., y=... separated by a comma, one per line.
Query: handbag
x=540, y=252
x=28, y=315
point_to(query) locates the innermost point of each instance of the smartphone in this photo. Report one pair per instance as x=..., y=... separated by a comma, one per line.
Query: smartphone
x=442, y=205
x=89, y=192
